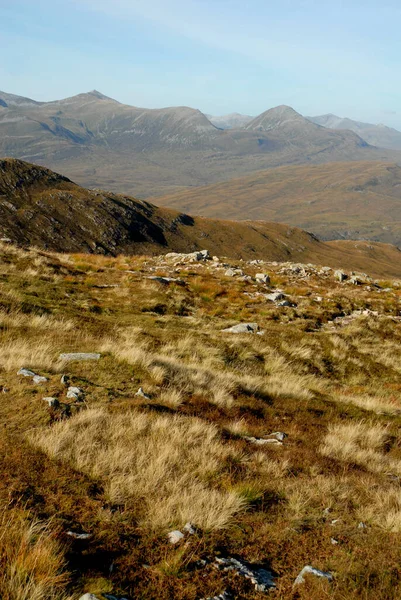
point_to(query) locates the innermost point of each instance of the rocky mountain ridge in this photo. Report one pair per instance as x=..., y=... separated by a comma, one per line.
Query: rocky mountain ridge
x=99, y=141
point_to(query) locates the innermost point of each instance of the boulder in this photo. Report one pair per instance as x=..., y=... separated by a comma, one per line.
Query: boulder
x=39, y=379
x=242, y=328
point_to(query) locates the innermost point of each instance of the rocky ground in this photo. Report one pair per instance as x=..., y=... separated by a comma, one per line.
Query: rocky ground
x=190, y=427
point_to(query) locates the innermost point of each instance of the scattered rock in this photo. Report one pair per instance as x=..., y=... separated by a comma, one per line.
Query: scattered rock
x=355, y=281
x=64, y=379
x=223, y=596
x=262, y=278
x=26, y=373
x=263, y=441
x=261, y=578
x=362, y=525
x=166, y=280
x=36, y=378
x=52, y=402
x=80, y=356
x=334, y=541
x=308, y=569
x=79, y=536
x=234, y=272
x=189, y=528
x=175, y=536
x=275, y=296
x=243, y=328
x=75, y=393
x=141, y=393
x=284, y=303
x=191, y=257
x=340, y=276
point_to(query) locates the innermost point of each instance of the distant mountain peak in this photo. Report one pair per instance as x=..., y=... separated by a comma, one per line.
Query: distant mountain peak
x=276, y=117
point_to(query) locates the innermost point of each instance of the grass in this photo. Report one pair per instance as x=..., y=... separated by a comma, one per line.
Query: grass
x=33, y=563
x=129, y=469
x=161, y=465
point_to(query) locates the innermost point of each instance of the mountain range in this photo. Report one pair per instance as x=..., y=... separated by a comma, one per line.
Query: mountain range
x=100, y=142
x=376, y=135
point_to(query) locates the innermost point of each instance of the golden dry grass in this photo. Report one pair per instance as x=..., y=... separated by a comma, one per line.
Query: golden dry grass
x=159, y=463
x=361, y=444
x=31, y=559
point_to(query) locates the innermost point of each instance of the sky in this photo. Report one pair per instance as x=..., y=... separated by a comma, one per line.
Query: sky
x=221, y=56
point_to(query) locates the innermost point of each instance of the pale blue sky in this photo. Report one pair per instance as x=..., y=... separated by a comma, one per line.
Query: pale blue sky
x=319, y=56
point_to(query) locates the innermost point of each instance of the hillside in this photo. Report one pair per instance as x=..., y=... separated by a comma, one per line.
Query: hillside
x=149, y=451
x=41, y=208
x=98, y=141
x=231, y=121
x=360, y=200
x=376, y=135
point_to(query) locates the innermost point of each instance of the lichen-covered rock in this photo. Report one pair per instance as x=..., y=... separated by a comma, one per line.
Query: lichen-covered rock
x=69, y=356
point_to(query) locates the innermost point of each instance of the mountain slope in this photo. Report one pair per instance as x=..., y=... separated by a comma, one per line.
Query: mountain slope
x=41, y=208
x=98, y=141
x=360, y=200
x=376, y=135
x=231, y=121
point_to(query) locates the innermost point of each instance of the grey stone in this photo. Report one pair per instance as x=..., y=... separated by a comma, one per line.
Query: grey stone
x=234, y=272
x=263, y=441
x=79, y=536
x=64, y=379
x=340, y=276
x=69, y=356
x=175, y=536
x=39, y=379
x=75, y=393
x=261, y=578
x=141, y=393
x=52, y=402
x=223, y=596
x=243, y=328
x=167, y=280
x=262, y=278
x=189, y=528
x=26, y=373
x=308, y=569
x=284, y=303
x=275, y=296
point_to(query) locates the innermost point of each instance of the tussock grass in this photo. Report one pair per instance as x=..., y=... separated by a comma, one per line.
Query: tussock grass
x=39, y=354
x=32, y=561
x=377, y=404
x=383, y=509
x=34, y=321
x=361, y=444
x=169, y=467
